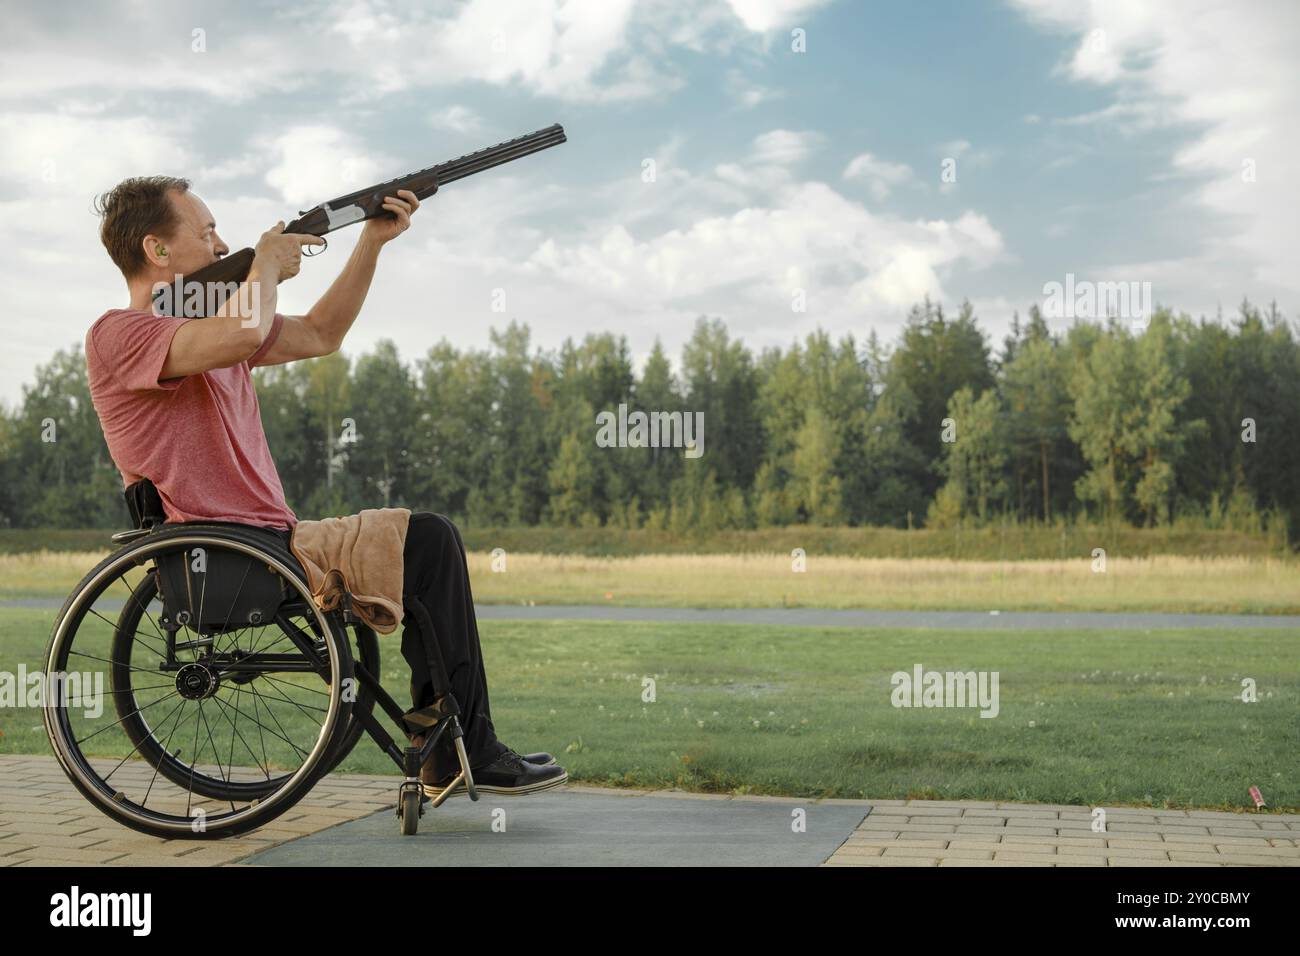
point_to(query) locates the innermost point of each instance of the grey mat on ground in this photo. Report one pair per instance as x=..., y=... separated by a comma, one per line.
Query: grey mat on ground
x=583, y=829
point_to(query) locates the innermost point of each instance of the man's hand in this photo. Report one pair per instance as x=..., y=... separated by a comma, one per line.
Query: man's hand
x=281, y=253
x=321, y=330
x=381, y=228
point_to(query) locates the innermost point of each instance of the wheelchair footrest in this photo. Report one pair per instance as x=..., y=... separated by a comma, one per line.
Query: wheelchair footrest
x=424, y=719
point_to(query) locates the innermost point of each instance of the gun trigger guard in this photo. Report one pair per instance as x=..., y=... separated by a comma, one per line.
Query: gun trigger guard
x=309, y=251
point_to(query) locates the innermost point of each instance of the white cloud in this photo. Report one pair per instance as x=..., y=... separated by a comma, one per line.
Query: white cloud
x=732, y=237
x=969, y=156
x=782, y=147
x=768, y=166
x=747, y=93
x=316, y=163
x=582, y=50
x=763, y=15
x=52, y=153
x=1125, y=116
x=881, y=175
x=955, y=148
x=457, y=118
x=736, y=248
x=51, y=166
x=57, y=276
x=234, y=167
x=577, y=50
x=1228, y=74
x=722, y=250
x=1096, y=58
x=745, y=264
x=108, y=51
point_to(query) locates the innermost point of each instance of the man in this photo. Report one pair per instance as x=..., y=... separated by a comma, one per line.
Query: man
x=176, y=401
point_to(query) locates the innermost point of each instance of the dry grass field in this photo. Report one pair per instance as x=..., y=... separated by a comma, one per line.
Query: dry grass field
x=1213, y=585
x=1209, y=585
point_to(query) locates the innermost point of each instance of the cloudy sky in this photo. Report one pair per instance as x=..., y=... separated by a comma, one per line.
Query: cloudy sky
x=796, y=145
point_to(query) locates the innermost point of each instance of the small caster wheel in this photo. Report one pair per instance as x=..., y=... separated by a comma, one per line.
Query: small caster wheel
x=409, y=811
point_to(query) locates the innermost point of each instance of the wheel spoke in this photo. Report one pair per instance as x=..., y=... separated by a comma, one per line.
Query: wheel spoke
x=309, y=690
x=216, y=753
x=132, y=750
x=112, y=624
x=235, y=733
x=138, y=710
x=269, y=729
x=166, y=744
x=143, y=670
x=144, y=608
x=282, y=734
x=285, y=699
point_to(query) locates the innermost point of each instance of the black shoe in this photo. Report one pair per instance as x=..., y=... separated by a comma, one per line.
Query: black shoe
x=508, y=775
x=542, y=758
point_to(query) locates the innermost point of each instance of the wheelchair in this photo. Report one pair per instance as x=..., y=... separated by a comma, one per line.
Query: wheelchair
x=230, y=693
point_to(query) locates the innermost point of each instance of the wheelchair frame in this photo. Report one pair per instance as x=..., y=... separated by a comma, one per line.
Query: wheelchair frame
x=434, y=721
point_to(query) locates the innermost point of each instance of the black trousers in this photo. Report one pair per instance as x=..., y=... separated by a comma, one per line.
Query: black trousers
x=435, y=572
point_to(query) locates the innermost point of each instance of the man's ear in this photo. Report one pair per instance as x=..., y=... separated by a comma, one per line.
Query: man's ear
x=156, y=252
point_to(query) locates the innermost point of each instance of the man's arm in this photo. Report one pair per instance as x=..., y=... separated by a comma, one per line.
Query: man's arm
x=227, y=338
x=236, y=332
x=322, y=329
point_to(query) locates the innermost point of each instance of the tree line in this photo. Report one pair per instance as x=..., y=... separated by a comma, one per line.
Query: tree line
x=1181, y=420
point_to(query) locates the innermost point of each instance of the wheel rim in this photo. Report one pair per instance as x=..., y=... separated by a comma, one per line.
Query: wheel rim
x=177, y=750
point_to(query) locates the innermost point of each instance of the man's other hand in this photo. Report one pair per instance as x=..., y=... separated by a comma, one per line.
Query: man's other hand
x=381, y=228
x=282, y=251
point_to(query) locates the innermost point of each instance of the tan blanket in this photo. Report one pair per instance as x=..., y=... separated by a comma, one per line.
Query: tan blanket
x=360, y=554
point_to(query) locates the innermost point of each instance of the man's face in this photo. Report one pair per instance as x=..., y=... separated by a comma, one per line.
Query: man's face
x=195, y=243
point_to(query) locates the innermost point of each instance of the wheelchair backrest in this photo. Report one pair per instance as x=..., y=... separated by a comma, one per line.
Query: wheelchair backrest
x=144, y=504
x=207, y=589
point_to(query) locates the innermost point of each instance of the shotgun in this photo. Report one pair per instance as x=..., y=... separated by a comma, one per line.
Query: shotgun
x=204, y=291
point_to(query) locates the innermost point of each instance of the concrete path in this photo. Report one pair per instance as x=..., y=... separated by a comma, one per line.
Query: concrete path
x=45, y=822
x=826, y=617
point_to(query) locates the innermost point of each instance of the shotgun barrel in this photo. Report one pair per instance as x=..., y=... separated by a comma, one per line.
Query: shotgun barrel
x=199, y=292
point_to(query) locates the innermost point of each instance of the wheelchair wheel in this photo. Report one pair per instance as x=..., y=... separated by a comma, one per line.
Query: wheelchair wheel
x=227, y=682
x=409, y=810
x=130, y=705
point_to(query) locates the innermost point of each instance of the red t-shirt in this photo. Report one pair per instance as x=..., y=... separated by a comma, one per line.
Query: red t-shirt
x=198, y=438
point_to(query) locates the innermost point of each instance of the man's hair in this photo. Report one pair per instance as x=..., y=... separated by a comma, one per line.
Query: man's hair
x=133, y=209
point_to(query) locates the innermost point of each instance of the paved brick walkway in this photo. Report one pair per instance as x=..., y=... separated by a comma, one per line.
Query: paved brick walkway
x=969, y=833
x=45, y=822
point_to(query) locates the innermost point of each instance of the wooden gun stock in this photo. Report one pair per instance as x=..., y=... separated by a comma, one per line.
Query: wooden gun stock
x=231, y=268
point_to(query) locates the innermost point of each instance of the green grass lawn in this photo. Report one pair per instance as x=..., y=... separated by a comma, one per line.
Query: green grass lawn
x=1087, y=717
